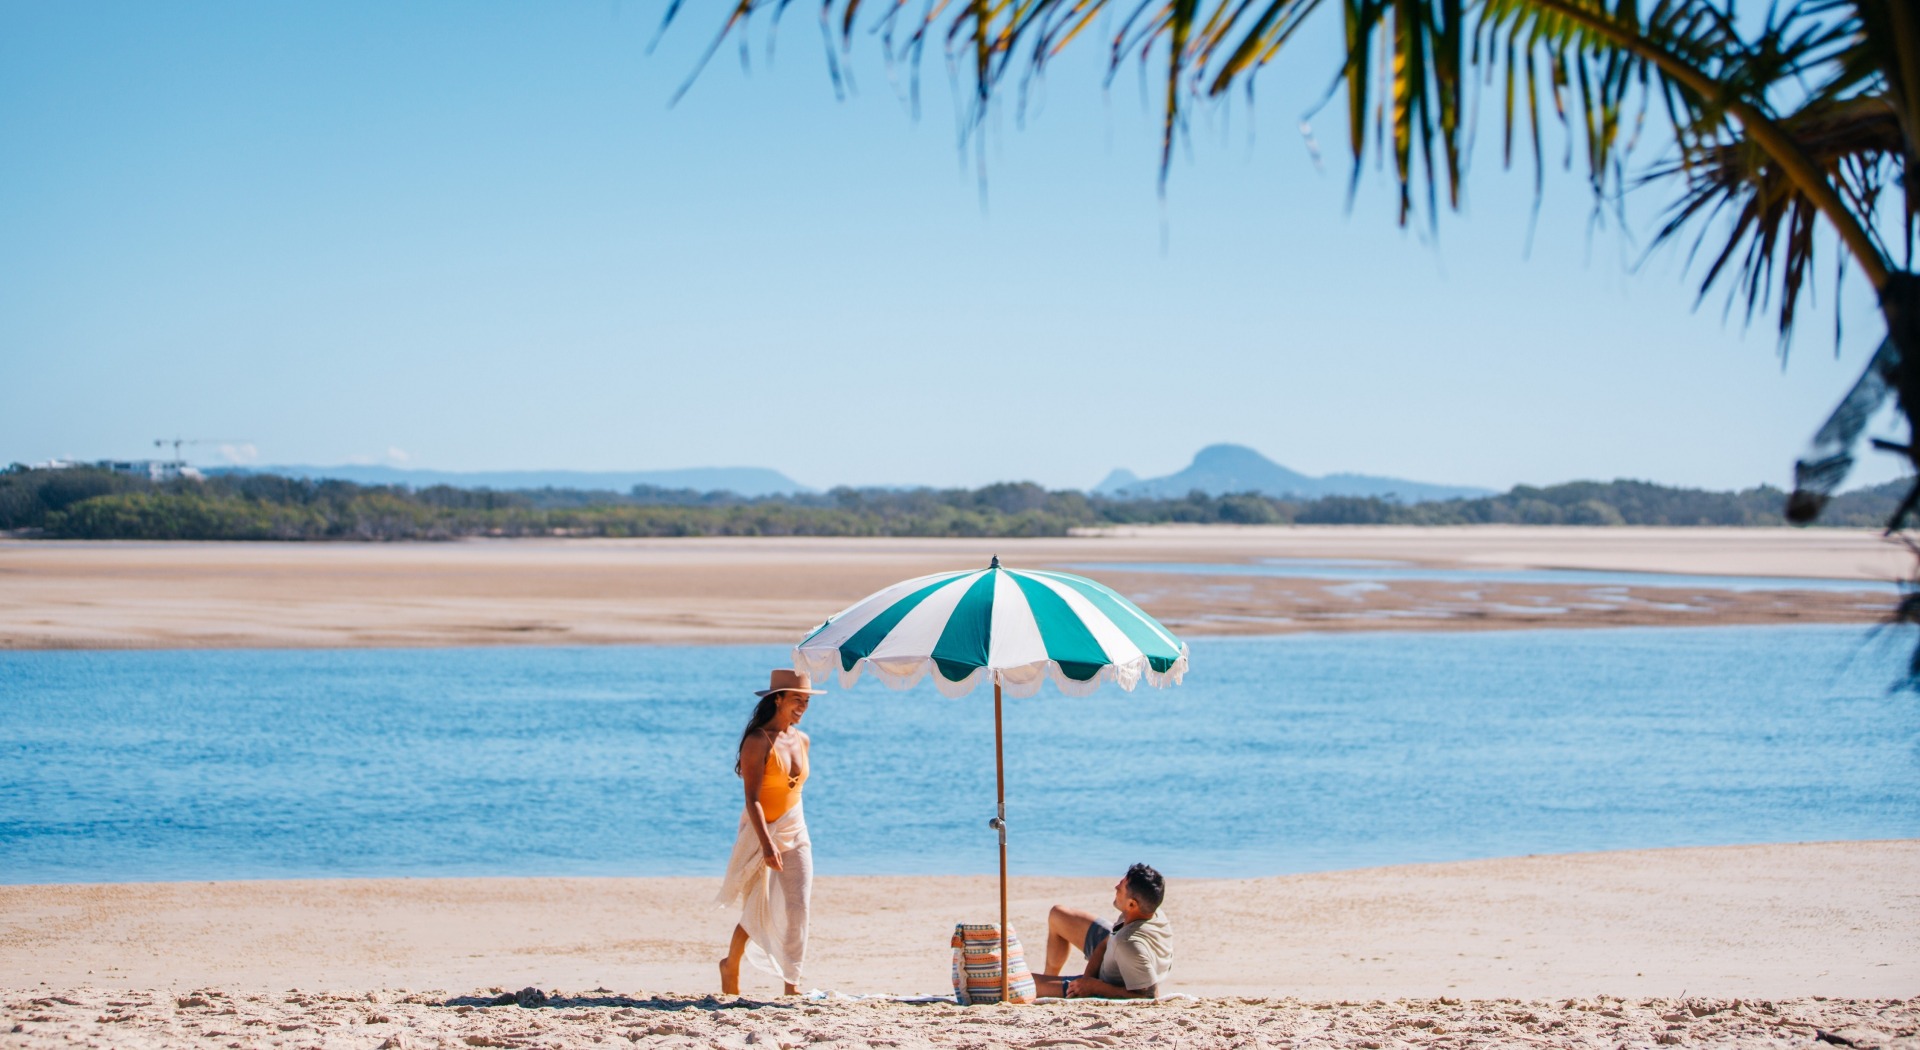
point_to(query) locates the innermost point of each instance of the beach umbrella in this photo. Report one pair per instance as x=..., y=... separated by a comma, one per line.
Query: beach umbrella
x=1013, y=627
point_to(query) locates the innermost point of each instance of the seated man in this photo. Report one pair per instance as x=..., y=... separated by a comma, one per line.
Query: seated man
x=1126, y=960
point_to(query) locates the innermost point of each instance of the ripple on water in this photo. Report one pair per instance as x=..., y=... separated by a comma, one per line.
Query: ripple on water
x=1278, y=754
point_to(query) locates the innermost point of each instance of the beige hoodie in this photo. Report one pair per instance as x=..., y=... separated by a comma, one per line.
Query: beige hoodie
x=1139, y=955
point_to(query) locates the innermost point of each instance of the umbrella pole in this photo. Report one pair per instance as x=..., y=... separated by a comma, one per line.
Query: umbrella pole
x=1000, y=793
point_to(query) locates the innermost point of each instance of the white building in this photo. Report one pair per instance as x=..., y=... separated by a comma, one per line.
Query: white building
x=151, y=469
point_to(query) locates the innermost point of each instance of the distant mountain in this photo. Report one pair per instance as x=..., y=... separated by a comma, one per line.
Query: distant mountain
x=744, y=481
x=1218, y=470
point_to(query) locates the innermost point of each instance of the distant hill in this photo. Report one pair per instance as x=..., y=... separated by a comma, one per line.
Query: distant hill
x=744, y=481
x=1220, y=470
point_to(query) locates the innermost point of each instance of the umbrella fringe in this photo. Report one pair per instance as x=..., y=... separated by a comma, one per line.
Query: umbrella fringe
x=1022, y=681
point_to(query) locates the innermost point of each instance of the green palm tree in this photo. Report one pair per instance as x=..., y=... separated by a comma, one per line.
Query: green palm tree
x=1781, y=123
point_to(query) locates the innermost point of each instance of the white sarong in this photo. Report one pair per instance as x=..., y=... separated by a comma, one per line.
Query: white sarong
x=773, y=905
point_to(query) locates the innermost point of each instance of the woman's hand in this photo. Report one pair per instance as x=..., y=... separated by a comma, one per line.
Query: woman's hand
x=772, y=858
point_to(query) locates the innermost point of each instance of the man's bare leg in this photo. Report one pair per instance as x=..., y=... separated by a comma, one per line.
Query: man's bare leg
x=730, y=966
x=1066, y=931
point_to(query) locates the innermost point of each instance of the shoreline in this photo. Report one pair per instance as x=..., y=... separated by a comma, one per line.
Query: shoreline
x=696, y=591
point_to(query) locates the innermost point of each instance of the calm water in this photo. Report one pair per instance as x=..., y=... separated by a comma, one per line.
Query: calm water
x=1364, y=570
x=1278, y=755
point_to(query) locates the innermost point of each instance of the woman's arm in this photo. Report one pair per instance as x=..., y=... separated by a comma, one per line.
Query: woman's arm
x=753, y=770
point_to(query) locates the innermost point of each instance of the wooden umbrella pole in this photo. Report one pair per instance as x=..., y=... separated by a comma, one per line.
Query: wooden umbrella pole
x=1000, y=812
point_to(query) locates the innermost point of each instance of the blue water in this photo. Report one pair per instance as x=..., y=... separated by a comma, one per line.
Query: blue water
x=1277, y=755
x=1364, y=569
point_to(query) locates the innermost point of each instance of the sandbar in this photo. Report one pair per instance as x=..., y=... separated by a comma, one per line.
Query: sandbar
x=107, y=595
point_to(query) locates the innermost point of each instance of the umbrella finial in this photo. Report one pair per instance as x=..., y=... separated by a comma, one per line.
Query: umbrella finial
x=996, y=562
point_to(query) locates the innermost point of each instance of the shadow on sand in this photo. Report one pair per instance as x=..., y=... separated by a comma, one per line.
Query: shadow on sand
x=534, y=998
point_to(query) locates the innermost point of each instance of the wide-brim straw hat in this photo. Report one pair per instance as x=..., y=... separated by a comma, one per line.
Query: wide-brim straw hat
x=785, y=681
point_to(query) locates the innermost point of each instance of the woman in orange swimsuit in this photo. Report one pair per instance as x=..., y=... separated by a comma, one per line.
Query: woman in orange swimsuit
x=770, y=875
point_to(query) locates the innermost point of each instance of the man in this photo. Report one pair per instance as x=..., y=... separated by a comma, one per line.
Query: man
x=1126, y=960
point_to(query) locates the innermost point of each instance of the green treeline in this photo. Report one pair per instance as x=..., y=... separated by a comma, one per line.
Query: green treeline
x=85, y=503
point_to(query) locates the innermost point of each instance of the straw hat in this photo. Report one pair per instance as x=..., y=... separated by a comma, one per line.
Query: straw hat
x=785, y=681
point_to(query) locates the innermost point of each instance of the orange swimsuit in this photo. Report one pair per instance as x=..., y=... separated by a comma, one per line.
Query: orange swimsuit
x=780, y=789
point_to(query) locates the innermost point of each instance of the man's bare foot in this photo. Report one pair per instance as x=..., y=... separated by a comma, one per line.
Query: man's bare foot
x=729, y=977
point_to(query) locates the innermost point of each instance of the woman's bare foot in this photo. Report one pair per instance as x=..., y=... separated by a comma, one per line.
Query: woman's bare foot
x=792, y=989
x=730, y=966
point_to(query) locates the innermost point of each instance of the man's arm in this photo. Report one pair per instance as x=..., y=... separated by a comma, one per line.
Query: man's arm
x=1095, y=988
x=1092, y=987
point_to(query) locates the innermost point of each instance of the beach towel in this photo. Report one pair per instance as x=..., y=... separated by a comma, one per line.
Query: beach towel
x=773, y=904
x=976, y=965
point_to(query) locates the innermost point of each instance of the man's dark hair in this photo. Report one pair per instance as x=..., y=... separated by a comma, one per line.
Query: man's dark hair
x=1146, y=886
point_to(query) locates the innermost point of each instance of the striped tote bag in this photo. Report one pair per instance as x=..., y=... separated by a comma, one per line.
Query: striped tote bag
x=976, y=965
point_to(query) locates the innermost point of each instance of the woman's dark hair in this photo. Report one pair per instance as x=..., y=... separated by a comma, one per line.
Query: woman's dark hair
x=762, y=714
x=1146, y=886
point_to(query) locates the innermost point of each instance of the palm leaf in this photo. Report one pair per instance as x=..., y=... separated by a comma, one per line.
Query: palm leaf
x=1852, y=68
x=1768, y=249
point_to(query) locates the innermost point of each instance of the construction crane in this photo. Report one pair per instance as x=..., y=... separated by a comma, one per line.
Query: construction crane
x=178, y=441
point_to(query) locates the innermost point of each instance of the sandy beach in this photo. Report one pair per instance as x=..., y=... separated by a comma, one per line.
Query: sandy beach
x=60, y=595
x=1578, y=950
x=404, y=1020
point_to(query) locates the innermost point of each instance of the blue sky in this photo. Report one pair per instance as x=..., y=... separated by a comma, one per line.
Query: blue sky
x=476, y=236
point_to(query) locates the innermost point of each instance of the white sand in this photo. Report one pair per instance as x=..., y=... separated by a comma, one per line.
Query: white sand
x=1839, y=919
x=1522, y=951
x=401, y=1020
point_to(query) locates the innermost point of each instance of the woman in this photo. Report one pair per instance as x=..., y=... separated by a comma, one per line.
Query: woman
x=770, y=877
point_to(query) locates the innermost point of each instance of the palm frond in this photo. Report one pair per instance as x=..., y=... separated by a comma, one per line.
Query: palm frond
x=1834, y=80
x=1767, y=247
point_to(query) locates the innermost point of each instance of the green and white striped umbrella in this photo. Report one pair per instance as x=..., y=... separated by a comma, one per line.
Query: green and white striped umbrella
x=1015, y=627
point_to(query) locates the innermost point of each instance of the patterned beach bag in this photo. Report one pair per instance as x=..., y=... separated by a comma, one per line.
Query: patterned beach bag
x=976, y=965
